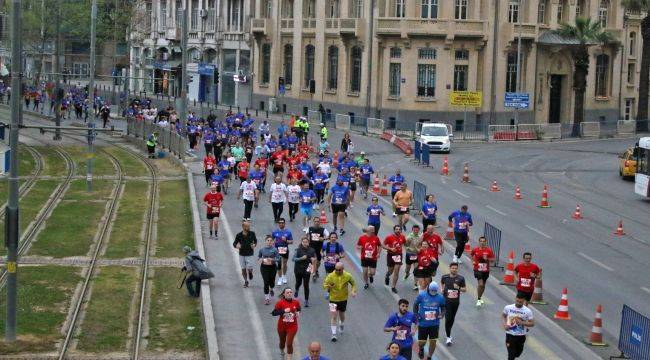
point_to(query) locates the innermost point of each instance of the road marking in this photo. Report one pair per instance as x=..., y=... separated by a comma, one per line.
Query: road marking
x=596, y=262
x=443, y=179
x=496, y=210
x=645, y=289
x=539, y=232
x=460, y=193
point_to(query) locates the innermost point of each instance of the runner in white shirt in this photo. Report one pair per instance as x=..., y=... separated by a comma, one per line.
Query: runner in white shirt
x=293, y=195
x=247, y=192
x=517, y=318
x=278, y=197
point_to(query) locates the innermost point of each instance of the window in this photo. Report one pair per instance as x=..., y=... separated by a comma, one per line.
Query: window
x=460, y=10
x=579, y=7
x=461, y=54
x=288, y=63
x=309, y=64
x=355, y=69
x=426, y=80
x=287, y=9
x=194, y=18
x=332, y=67
x=163, y=15
x=400, y=8
x=266, y=64
x=511, y=73
x=631, y=72
x=80, y=69
x=332, y=9
x=560, y=10
x=394, y=79
x=357, y=9
x=460, y=77
x=267, y=9
x=395, y=53
x=632, y=43
x=602, y=75
x=426, y=54
x=541, y=12
x=194, y=55
x=513, y=11
x=603, y=10
x=629, y=108
x=309, y=8
x=429, y=9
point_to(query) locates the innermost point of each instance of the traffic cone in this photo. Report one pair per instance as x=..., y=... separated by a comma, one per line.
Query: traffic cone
x=466, y=174
x=495, y=187
x=619, y=230
x=509, y=276
x=375, y=185
x=517, y=193
x=562, y=312
x=322, y=217
x=596, y=335
x=577, y=214
x=544, y=203
x=384, y=182
x=384, y=187
x=445, y=167
x=538, y=293
x=449, y=235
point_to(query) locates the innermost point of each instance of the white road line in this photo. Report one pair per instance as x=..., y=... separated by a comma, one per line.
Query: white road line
x=460, y=193
x=496, y=210
x=645, y=289
x=596, y=262
x=443, y=179
x=539, y=232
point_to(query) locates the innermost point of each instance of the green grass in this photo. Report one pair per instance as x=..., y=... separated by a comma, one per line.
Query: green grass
x=174, y=219
x=106, y=323
x=43, y=300
x=72, y=226
x=131, y=165
x=53, y=162
x=102, y=165
x=125, y=237
x=171, y=312
x=26, y=162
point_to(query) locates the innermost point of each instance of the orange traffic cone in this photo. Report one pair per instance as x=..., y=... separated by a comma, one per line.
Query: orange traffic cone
x=322, y=217
x=384, y=182
x=375, y=185
x=544, y=203
x=445, y=167
x=509, y=276
x=384, y=187
x=562, y=312
x=495, y=187
x=466, y=174
x=577, y=214
x=449, y=235
x=517, y=193
x=538, y=293
x=596, y=335
x=619, y=230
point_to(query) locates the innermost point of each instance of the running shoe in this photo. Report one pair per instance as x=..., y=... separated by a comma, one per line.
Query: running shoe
x=448, y=342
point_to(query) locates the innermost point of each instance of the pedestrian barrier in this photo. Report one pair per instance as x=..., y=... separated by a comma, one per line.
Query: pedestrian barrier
x=375, y=126
x=419, y=195
x=417, y=151
x=426, y=155
x=502, y=132
x=397, y=141
x=358, y=124
x=493, y=237
x=590, y=129
x=633, y=338
x=342, y=122
x=528, y=131
x=314, y=118
x=168, y=138
x=625, y=127
x=550, y=131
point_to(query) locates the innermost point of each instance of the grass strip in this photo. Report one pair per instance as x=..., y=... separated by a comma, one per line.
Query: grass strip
x=174, y=219
x=106, y=322
x=72, y=226
x=131, y=165
x=125, y=240
x=53, y=162
x=43, y=301
x=26, y=161
x=174, y=318
x=102, y=165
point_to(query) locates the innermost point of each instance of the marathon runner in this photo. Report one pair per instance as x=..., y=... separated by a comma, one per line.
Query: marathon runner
x=224, y=170
x=517, y=318
x=208, y=141
x=526, y=273
x=395, y=182
x=430, y=308
x=426, y=266
x=369, y=246
x=307, y=200
x=304, y=264
x=393, y=350
x=332, y=252
x=245, y=242
x=462, y=220
x=212, y=201
x=278, y=197
x=402, y=324
x=209, y=164
x=365, y=176
x=452, y=285
x=258, y=177
x=288, y=309
x=393, y=244
x=402, y=201
x=482, y=256
x=429, y=210
x=268, y=258
x=375, y=212
x=435, y=243
x=263, y=164
x=338, y=199
x=242, y=170
x=336, y=284
x=282, y=238
x=293, y=198
x=321, y=182
x=412, y=248
x=317, y=235
x=247, y=192
x=237, y=151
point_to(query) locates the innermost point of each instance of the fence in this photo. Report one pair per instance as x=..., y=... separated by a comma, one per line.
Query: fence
x=168, y=138
x=417, y=151
x=634, y=336
x=314, y=118
x=375, y=126
x=493, y=236
x=590, y=129
x=358, y=123
x=626, y=127
x=342, y=122
x=419, y=195
x=426, y=155
x=550, y=131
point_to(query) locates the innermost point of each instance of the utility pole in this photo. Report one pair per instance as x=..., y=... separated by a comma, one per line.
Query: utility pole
x=518, y=80
x=11, y=215
x=91, y=95
x=182, y=100
x=58, y=92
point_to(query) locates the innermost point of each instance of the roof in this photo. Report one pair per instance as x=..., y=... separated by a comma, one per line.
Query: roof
x=553, y=38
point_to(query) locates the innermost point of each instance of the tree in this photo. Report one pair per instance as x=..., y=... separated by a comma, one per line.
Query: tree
x=642, y=6
x=586, y=33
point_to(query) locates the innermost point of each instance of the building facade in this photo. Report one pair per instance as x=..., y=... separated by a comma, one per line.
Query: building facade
x=400, y=59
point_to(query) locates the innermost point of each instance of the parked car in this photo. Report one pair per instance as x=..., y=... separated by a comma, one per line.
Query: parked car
x=437, y=136
x=627, y=165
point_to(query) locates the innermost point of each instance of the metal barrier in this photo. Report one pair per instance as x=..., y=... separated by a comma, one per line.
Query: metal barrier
x=529, y=131
x=168, y=139
x=419, y=195
x=625, y=127
x=634, y=336
x=502, y=132
x=417, y=151
x=314, y=117
x=425, y=155
x=493, y=236
x=550, y=131
x=358, y=123
x=590, y=129
x=342, y=122
x=375, y=126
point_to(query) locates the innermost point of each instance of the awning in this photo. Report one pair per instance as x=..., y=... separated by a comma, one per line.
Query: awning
x=166, y=65
x=553, y=38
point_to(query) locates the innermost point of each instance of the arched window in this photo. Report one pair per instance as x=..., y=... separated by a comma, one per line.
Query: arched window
x=632, y=43
x=511, y=73
x=602, y=75
x=309, y=64
x=288, y=63
x=332, y=67
x=195, y=55
x=603, y=12
x=355, y=69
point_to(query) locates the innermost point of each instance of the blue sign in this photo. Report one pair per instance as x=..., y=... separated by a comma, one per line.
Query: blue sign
x=517, y=100
x=206, y=69
x=636, y=335
x=283, y=89
x=632, y=340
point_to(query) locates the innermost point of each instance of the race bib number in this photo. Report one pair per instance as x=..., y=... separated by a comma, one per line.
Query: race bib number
x=214, y=210
x=525, y=282
x=315, y=237
x=374, y=212
x=452, y=294
x=403, y=208
x=209, y=167
x=483, y=267
x=368, y=254
x=338, y=200
x=248, y=193
x=462, y=226
x=431, y=211
x=332, y=307
x=413, y=257
x=277, y=196
x=430, y=315
x=288, y=317
x=306, y=199
x=330, y=259
x=282, y=250
x=267, y=261
x=400, y=334
x=397, y=258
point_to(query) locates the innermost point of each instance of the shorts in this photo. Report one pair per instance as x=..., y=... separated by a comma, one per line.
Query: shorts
x=408, y=259
x=525, y=295
x=426, y=222
x=318, y=247
x=461, y=236
x=428, y=332
x=212, y=216
x=392, y=193
x=392, y=262
x=425, y=272
x=353, y=186
x=371, y=263
x=365, y=182
x=340, y=305
x=399, y=211
x=306, y=210
x=337, y=208
x=286, y=256
x=246, y=262
x=480, y=275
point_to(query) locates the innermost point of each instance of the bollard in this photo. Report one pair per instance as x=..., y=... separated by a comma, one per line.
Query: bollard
x=247, y=110
x=230, y=108
x=238, y=110
x=194, y=102
x=267, y=114
x=257, y=113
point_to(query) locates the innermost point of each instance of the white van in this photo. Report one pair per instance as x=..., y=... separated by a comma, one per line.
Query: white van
x=437, y=136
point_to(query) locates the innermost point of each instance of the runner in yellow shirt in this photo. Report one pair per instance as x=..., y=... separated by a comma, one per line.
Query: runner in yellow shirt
x=336, y=283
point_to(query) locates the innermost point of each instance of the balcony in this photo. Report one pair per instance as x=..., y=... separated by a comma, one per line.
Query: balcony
x=528, y=31
x=309, y=26
x=344, y=27
x=261, y=27
x=286, y=26
x=410, y=27
x=173, y=33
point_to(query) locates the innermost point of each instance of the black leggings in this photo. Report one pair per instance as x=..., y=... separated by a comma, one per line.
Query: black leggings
x=278, y=207
x=461, y=240
x=268, y=275
x=320, y=194
x=302, y=277
x=208, y=174
x=450, y=315
x=515, y=345
x=248, y=206
x=293, y=210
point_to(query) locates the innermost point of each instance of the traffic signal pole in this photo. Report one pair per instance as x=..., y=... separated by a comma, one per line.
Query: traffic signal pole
x=182, y=100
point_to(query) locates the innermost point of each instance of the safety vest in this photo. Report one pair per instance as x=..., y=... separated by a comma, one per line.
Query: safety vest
x=323, y=132
x=152, y=140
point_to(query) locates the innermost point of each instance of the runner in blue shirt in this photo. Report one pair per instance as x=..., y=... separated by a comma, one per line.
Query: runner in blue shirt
x=314, y=350
x=393, y=352
x=282, y=238
x=375, y=211
x=462, y=220
x=292, y=141
x=307, y=199
x=338, y=198
x=224, y=170
x=344, y=176
x=284, y=143
x=208, y=140
x=396, y=182
x=306, y=169
x=333, y=252
x=429, y=209
x=430, y=308
x=257, y=175
x=366, y=173
x=320, y=181
x=402, y=324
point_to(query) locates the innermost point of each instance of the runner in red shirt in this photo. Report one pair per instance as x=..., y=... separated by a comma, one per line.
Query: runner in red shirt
x=435, y=242
x=426, y=266
x=209, y=164
x=369, y=245
x=303, y=147
x=212, y=201
x=242, y=170
x=288, y=309
x=294, y=174
x=526, y=273
x=393, y=244
x=293, y=159
x=277, y=158
x=482, y=256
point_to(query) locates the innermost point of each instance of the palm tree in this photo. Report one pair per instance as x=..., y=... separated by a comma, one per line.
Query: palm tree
x=642, y=6
x=584, y=33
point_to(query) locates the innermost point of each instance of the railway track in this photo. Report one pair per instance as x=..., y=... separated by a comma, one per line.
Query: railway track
x=31, y=180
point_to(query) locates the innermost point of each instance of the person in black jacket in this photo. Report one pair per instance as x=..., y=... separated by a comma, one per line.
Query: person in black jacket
x=345, y=143
x=245, y=242
x=305, y=262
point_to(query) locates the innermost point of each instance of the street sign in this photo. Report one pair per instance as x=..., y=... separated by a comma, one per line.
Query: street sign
x=517, y=100
x=282, y=89
x=466, y=98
